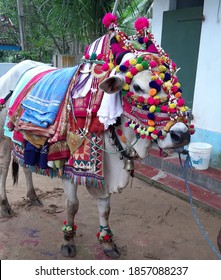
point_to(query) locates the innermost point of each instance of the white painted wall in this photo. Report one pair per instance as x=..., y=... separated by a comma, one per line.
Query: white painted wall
x=207, y=93
x=159, y=7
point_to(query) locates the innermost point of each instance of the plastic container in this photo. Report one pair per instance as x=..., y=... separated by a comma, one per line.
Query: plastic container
x=200, y=154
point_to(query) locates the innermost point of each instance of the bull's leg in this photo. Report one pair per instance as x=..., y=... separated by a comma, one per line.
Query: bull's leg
x=30, y=188
x=105, y=235
x=5, y=158
x=72, y=204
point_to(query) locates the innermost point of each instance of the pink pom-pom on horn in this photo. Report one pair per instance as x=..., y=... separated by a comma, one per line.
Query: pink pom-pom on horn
x=109, y=19
x=141, y=23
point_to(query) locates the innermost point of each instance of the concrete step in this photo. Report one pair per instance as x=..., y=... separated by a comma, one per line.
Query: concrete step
x=166, y=173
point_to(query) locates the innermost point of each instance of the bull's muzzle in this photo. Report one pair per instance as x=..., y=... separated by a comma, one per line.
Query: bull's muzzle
x=180, y=137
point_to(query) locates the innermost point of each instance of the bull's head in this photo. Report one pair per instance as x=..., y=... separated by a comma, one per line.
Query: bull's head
x=152, y=97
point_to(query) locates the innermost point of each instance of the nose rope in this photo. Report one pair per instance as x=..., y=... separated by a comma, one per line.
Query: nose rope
x=188, y=164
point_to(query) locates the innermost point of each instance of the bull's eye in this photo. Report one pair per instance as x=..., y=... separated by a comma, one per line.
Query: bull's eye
x=137, y=88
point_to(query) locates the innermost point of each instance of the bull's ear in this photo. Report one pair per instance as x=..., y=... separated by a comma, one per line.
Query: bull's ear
x=112, y=84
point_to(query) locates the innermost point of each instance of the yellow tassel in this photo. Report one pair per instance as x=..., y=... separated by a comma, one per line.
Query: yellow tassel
x=117, y=68
x=111, y=66
x=117, y=37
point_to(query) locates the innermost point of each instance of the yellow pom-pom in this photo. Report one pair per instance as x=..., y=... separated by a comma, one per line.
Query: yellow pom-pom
x=126, y=87
x=150, y=128
x=153, y=78
x=139, y=67
x=183, y=109
x=152, y=109
x=117, y=68
x=178, y=85
x=111, y=66
x=156, y=97
x=162, y=68
x=129, y=75
x=162, y=76
x=172, y=105
x=133, y=61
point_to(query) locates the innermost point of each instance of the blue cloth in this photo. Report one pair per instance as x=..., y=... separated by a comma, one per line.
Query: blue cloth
x=43, y=101
x=36, y=156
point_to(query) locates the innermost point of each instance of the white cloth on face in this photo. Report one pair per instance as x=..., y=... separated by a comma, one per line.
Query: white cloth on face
x=111, y=107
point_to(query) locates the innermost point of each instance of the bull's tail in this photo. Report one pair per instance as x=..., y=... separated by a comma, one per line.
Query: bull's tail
x=15, y=169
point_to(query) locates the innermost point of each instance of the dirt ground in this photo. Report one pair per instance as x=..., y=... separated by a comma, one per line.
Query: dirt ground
x=148, y=223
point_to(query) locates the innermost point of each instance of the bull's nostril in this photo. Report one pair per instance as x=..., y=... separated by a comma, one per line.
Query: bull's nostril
x=176, y=137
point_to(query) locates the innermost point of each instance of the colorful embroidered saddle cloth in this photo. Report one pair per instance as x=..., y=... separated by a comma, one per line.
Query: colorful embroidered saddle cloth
x=53, y=148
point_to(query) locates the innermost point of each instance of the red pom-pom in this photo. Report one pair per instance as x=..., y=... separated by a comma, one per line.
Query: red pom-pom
x=108, y=19
x=105, y=67
x=133, y=71
x=141, y=23
x=180, y=102
x=99, y=56
x=127, y=63
x=127, y=80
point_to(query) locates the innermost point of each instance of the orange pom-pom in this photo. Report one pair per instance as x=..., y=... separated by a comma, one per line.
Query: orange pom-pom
x=178, y=94
x=151, y=123
x=152, y=92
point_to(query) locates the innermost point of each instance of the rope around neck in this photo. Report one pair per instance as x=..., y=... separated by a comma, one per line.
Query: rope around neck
x=186, y=165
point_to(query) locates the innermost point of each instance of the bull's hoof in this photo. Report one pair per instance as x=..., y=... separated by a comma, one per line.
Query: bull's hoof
x=35, y=201
x=112, y=253
x=7, y=212
x=68, y=251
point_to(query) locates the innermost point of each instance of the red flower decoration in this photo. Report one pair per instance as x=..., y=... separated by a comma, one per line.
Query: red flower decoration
x=106, y=237
x=2, y=101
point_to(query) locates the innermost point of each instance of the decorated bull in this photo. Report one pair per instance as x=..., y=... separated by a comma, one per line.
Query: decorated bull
x=86, y=124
